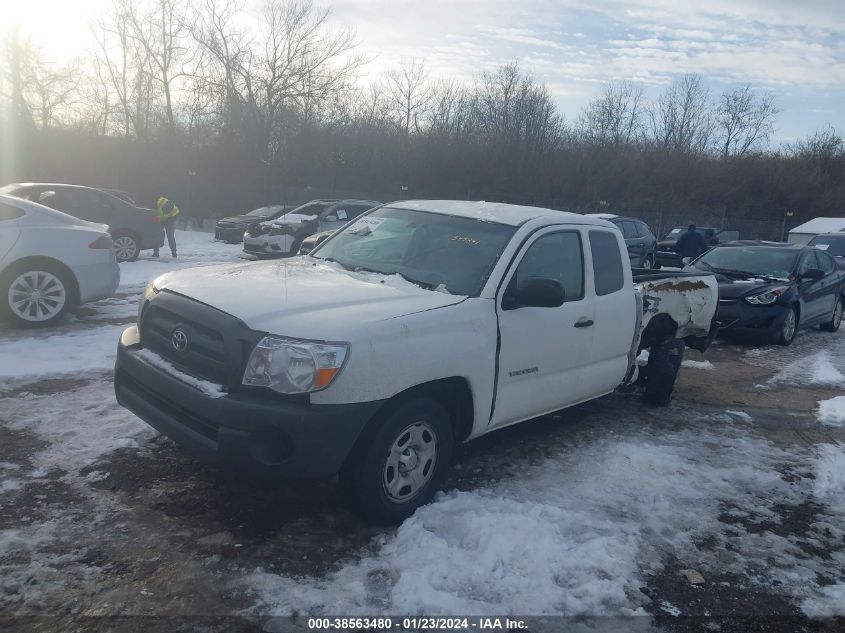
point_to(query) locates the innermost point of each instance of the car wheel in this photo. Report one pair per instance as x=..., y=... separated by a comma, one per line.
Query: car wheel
x=664, y=362
x=398, y=467
x=36, y=295
x=648, y=262
x=835, y=319
x=126, y=247
x=788, y=328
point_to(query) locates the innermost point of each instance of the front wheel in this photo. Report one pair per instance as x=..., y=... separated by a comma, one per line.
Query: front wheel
x=398, y=468
x=648, y=262
x=789, y=327
x=835, y=319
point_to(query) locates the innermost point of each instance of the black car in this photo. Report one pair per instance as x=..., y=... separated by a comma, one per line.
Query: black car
x=132, y=228
x=831, y=243
x=231, y=229
x=773, y=289
x=666, y=254
x=313, y=241
x=639, y=239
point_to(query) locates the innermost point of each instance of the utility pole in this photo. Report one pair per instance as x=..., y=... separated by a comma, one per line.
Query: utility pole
x=786, y=213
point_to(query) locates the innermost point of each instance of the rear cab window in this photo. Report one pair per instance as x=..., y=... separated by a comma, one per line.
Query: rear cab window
x=608, y=274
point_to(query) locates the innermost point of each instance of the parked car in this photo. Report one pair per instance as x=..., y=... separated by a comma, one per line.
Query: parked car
x=132, y=228
x=639, y=239
x=50, y=262
x=419, y=325
x=231, y=229
x=313, y=241
x=668, y=257
x=833, y=244
x=283, y=236
x=774, y=289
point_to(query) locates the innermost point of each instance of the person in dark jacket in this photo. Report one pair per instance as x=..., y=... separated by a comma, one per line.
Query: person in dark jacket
x=166, y=213
x=691, y=244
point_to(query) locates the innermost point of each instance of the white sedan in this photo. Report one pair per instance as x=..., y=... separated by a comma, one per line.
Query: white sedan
x=50, y=262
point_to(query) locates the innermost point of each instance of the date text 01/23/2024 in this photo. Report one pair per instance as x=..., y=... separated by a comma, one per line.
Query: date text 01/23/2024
x=415, y=624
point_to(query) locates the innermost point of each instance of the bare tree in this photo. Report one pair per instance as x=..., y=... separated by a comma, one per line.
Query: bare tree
x=745, y=120
x=159, y=28
x=409, y=93
x=682, y=118
x=615, y=117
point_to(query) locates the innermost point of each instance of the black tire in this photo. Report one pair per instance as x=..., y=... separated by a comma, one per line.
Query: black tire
x=127, y=246
x=65, y=286
x=664, y=362
x=836, y=317
x=648, y=262
x=786, y=334
x=366, y=474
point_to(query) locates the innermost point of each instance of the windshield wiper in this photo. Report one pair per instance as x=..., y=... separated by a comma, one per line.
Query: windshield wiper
x=745, y=273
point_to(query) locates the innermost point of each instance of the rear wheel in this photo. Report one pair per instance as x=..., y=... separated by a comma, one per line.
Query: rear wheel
x=35, y=295
x=664, y=362
x=648, y=262
x=788, y=328
x=126, y=246
x=400, y=466
x=835, y=319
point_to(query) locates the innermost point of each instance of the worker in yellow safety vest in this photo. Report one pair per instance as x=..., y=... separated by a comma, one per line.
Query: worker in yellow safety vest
x=166, y=213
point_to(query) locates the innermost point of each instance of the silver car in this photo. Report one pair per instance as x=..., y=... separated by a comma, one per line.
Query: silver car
x=51, y=262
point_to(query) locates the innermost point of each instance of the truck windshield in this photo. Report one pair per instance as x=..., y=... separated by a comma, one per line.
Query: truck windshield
x=435, y=251
x=753, y=260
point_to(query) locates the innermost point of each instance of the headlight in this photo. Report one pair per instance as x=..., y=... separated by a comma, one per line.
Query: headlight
x=293, y=366
x=149, y=292
x=768, y=297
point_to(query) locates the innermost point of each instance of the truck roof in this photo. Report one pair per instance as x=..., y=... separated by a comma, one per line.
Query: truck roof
x=511, y=214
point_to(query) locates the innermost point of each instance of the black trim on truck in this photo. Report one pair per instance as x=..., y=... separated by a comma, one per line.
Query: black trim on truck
x=247, y=432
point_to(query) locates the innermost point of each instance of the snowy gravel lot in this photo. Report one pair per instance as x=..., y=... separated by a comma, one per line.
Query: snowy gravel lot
x=728, y=503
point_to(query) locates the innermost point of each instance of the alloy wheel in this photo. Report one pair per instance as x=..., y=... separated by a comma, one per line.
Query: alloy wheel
x=37, y=295
x=125, y=248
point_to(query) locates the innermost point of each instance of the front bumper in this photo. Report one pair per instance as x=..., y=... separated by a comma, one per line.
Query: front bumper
x=270, y=246
x=229, y=233
x=249, y=433
x=735, y=316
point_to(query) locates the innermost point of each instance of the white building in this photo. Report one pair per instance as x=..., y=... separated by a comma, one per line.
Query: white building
x=805, y=232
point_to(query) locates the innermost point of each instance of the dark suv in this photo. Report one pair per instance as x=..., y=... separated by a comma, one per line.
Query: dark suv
x=132, y=228
x=639, y=239
x=666, y=254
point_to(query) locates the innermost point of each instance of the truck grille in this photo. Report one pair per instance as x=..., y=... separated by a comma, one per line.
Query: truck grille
x=216, y=344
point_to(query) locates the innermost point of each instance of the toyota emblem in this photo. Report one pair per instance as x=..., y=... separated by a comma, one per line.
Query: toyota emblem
x=179, y=340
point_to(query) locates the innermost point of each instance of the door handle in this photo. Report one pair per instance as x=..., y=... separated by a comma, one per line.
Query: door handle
x=584, y=323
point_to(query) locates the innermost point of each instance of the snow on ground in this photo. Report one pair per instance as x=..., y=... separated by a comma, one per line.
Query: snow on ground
x=574, y=535
x=697, y=364
x=816, y=369
x=832, y=412
x=70, y=352
x=79, y=427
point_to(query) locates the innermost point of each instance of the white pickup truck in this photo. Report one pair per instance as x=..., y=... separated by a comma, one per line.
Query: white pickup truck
x=418, y=325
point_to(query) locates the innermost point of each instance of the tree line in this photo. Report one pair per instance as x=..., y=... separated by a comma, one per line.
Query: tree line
x=223, y=109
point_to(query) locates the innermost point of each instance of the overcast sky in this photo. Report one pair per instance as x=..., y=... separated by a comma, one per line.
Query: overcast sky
x=793, y=48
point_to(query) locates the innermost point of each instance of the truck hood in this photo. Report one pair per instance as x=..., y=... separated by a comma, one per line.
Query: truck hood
x=301, y=297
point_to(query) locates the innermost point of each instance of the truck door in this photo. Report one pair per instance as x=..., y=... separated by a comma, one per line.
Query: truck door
x=543, y=351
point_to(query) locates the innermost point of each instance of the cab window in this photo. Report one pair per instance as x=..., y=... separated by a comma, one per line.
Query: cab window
x=8, y=212
x=557, y=256
x=608, y=274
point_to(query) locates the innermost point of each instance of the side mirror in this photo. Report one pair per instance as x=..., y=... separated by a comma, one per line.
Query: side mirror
x=537, y=292
x=331, y=218
x=812, y=274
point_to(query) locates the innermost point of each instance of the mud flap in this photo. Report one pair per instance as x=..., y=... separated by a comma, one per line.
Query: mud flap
x=662, y=370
